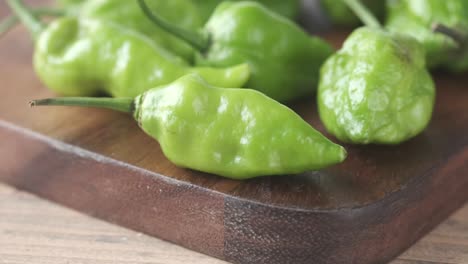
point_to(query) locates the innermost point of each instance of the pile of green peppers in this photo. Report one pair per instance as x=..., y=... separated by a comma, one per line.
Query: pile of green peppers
x=448, y=49
x=207, y=81
x=287, y=8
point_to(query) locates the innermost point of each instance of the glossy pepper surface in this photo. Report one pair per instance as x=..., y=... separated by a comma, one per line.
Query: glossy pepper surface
x=235, y=133
x=287, y=8
x=340, y=14
x=416, y=17
x=376, y=89
x=284, y=59
x=128, y=14
x=80, y=57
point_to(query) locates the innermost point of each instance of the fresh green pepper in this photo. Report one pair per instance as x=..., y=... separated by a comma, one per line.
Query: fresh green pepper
x=416, y=17
x=128, y=14
x=376, y=89
x=235, y=133
x=284, y=59
x=341, y=15
x=80, y=57
x=204, y=8
x=287, y=8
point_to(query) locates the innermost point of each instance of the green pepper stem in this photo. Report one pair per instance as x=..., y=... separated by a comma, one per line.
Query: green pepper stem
x=364, y=14
x=198, y=40
x=460, y=38
x=125, y=105
x=34, y=25
x=9, y=22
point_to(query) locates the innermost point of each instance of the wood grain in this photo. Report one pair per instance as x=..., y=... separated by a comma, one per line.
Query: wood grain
x=367, y=210
x=39, y=232
x=36, y=231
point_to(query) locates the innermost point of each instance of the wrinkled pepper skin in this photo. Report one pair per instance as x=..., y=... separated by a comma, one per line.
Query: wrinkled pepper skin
x=287, y=8
x=416, y=17
x=376, y=89
x=128, y=14
x=85, y=57
x=341, y=15
x=284, y=59
x=235, y=133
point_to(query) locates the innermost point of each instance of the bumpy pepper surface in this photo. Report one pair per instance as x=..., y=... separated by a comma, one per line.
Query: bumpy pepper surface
x=287, y=8
x=81, y=57
x=416, y=17
x=128, y=14
x=284, y=59
x=376, y=89
x=340, y=14
x=235, y=133
x=84, y=57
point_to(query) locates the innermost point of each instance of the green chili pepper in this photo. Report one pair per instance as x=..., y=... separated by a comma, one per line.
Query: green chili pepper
x=417, y=17
x=128, y=13
x=287, y=8
x=235, y=133
x=376, y=89
x=84, y=57
x=284, y=59
x=340, y=14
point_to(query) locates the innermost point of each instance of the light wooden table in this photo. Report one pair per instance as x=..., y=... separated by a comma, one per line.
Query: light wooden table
x=36, y=231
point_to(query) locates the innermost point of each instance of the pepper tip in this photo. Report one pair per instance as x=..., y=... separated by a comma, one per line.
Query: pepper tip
x=344, y=154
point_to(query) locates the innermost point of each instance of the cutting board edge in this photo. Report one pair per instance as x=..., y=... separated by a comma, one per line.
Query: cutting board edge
x=375, y=233
x=80, y=152
x=227, y=244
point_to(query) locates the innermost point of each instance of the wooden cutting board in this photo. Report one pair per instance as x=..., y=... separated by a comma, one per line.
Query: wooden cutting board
x=366, y=210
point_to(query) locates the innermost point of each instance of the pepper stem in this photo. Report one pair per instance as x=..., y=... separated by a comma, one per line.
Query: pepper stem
x=9, y=22
x=458, y=36
x=196, y=39
x=364, y=14
x=125, y=105
x=27, y=17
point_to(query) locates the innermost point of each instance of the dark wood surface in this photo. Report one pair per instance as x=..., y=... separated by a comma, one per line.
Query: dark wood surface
x=367, y=210
x=33, y=230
